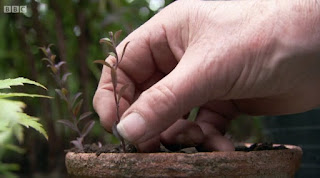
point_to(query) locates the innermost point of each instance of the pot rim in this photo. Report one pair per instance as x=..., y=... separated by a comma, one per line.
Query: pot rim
x=264, y=163
x=288, y=146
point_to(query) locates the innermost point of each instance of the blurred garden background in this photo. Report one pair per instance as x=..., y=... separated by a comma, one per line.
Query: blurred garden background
x=74, y=27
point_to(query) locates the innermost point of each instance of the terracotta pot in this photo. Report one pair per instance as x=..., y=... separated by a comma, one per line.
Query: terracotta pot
x=269, y=163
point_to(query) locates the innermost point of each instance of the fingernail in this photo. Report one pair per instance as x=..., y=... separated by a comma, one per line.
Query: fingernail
x=132, y=127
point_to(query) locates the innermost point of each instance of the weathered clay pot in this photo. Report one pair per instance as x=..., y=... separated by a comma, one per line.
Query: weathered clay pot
x=269, y=163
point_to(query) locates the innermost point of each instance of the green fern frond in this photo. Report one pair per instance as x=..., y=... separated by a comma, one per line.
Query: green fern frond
x=11, y=115
x=29, y=121
x=7, y=83
x=7, y=95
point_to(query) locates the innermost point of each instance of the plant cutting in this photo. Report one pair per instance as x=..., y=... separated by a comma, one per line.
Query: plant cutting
x=257, y=160
x=111, y=42
x=72, y=101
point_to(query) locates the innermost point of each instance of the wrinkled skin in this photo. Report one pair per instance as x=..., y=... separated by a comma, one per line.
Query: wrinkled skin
x=229, y=57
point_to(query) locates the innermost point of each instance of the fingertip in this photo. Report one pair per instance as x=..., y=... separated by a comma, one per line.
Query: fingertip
x=132, y=127
x=216, y=143
x=150, y=146
x=213, y=126
x=182, y=134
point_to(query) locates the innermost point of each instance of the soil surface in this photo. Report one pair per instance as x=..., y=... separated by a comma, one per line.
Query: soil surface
x=260, y=147
x=111, y=148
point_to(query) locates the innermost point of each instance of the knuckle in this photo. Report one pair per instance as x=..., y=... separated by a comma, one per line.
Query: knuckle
x=95, y=101
x=160, y=104
x=161, y=93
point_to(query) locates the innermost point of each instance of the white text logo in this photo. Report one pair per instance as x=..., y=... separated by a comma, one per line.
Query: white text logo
x=15, y=9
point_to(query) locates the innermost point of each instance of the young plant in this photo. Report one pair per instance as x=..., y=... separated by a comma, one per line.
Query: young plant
x=112, y=44
x=73, y=101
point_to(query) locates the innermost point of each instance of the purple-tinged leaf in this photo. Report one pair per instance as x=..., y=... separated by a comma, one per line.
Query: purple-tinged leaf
x=60, y=64
x=48, y=50
x=65, y=77
x=87, y=128
x=78, y=143
x=124, y=50
x=77, y=107
x=102, y=62
x=115, y=131
x=84, y=115
x=48, y=60
x=122, y=90
x=114, y=78
x=75, y=97
x=68, y=124
x=117, y=35
x=60, y=93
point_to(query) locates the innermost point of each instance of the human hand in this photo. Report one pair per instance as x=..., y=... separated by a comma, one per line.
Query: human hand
x=254, y=57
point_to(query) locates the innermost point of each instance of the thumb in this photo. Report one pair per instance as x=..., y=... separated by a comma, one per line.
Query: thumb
x=164, y=103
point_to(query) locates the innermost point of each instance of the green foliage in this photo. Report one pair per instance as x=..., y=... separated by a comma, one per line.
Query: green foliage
x=11, y=112
x=246, y=129
x=7, y=168
x=13, y=119
x=7, y=83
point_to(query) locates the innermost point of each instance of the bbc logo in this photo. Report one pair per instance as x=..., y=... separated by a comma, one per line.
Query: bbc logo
x=15, y=9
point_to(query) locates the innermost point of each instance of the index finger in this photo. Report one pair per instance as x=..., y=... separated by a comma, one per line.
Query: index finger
x=147, y=55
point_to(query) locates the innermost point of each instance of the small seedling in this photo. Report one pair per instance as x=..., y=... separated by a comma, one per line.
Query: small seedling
x=73, y=101
x=112, y=43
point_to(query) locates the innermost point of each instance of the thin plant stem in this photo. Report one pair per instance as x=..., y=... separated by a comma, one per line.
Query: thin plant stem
x=118, y=114
x=111, y=42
